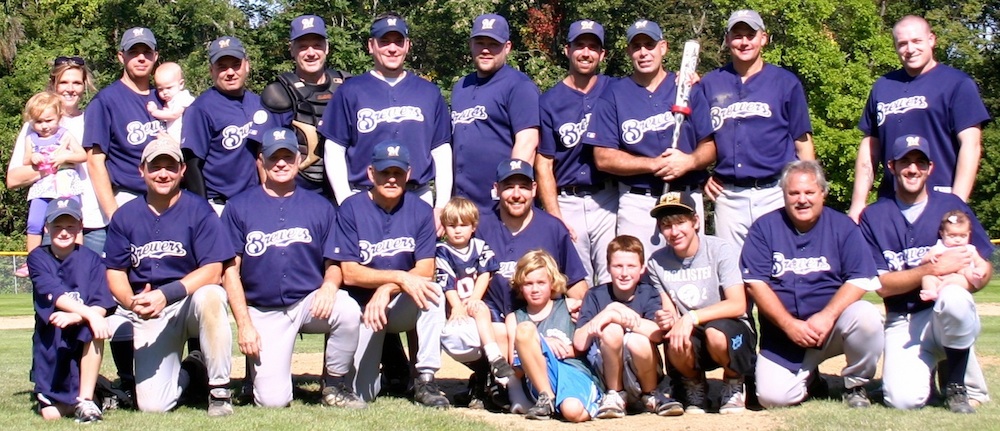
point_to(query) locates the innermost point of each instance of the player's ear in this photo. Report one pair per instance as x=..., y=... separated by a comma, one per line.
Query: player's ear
x=371, y=174
x=891, y=164
x=372, y=44
x=121, y=57
x=764, y=38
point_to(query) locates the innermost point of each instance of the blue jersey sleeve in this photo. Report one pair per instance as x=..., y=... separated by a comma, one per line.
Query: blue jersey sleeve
x=756, y=260
x=117, y=252
x=346, y=247
x=196, y=135
x=337, y=124
x=590, y=308
x=47, y=286
x=211, y=243
x=523, y=105
x=234, y=228
x=855, y=264
x=798, y=111
x=97, y=125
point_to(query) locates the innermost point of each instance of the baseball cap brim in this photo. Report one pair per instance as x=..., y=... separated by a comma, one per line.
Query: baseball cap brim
x=382, y=165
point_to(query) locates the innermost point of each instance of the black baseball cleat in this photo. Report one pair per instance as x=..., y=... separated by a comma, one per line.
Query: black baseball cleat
x=957, y=399
x=426, y=392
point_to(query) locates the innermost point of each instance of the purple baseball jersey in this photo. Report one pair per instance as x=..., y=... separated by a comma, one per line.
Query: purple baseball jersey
x=804, y=270
x=282, y=243
x=396, y=239
x=565, y=117
x=897, y=244
x=543, y=232
x=160, y=249
x=56, y=352
x=630, y=118
x=118, y=123
x=366, y=110
x=936, y=105
x=756, y=122
x=457, y=269
x=486, y=114
x=216, y=127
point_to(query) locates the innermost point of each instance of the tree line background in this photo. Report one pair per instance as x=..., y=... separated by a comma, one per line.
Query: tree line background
x=837, y=47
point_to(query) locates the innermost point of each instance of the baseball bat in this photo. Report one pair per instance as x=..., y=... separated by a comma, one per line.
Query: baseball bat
x=689, y=62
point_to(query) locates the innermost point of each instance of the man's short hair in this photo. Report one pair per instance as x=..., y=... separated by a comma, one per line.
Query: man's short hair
x=459, y=209
x=626, y=244
x=804, y=166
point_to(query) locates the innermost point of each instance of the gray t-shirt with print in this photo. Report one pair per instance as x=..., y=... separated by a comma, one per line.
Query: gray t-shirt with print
x=698, y=281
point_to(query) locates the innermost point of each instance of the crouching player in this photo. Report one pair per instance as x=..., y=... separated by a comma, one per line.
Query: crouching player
x=541, y=347
x=617, y=329
x=706, y=316
x=71, y=299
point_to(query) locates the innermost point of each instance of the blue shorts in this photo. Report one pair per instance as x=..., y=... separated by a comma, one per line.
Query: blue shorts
x=568, y=382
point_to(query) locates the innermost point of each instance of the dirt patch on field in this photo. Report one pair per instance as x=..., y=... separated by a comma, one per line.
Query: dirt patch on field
x=17, y=322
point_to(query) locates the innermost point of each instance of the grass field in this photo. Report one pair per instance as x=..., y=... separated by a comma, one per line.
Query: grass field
x=395, y=414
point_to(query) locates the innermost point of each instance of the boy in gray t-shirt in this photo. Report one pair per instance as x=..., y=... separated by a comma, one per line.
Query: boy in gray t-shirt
x=705, y=319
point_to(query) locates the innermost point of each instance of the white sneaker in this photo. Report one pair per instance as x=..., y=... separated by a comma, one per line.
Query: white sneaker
x=733, y=397
x=612, y=406
x=695, y=396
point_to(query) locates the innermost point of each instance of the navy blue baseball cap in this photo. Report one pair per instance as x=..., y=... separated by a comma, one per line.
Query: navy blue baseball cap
x=63, y=206
x=492, y=26
x=278, y=138
x=226, y=46
x=646, y=27
x=583, y=27
x=307, y=24
x=510, y=167
x=904, y=144
x=390, y=153
x=389, y=24
x=673, y=203
x=137, y=35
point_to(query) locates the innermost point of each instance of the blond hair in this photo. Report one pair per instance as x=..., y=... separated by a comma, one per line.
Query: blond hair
x=459, y=209
x=533, y=261
x=39, y=103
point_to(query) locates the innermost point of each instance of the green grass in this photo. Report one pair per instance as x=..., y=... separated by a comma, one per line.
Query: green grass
x=16, y=304
x=305, y=413
x=989, y=294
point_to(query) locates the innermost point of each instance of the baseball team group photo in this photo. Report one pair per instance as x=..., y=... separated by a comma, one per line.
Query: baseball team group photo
x=661, y=219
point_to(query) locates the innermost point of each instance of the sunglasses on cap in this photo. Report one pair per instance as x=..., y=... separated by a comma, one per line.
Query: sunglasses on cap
x=75, y=61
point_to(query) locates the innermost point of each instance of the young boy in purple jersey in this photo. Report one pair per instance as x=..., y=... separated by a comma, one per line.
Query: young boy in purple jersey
x=900, y=232
x=631, y=131
x=220, y=160
x=569, y=185
x=616, y=328
x=465, y=265
x=71, y=298
x=388, y=102
x=118, y=126
x=494, y=112
x=761, y=122
x=936, y=101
